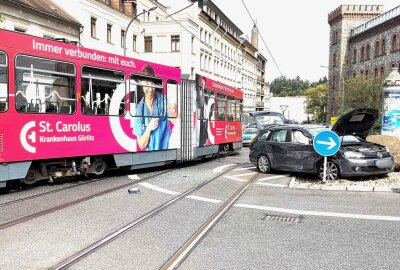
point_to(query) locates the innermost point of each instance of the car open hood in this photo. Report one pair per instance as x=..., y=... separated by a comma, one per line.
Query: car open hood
x=267, y=115
x=358, y=122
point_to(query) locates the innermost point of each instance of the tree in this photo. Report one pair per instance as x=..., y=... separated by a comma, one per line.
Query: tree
x=362, y=93
x=316, y=101
x=282, y=86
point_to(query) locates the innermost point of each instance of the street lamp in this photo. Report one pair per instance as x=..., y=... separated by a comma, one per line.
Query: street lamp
x=242, y=39
x=126, y=29
x=283, y=109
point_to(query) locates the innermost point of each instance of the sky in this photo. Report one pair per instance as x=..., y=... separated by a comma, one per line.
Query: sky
x=295, y=31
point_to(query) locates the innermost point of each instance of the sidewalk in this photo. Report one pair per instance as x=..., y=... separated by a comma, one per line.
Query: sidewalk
x=388, y=183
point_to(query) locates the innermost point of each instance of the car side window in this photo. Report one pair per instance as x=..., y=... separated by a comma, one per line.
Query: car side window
x=299, y=137
x=279, y=136
x=264, y=136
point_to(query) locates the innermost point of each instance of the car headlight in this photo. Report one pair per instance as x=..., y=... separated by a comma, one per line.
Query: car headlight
x=252, y=137
x=351, y=154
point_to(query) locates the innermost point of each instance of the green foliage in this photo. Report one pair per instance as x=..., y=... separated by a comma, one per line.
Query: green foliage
x=361, y=93
x=1, y=18
x=282, y=86
x=316, y=101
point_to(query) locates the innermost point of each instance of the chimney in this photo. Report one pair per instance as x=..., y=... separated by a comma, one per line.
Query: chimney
x=115, y=4
x=130, y=8
x=254, y=37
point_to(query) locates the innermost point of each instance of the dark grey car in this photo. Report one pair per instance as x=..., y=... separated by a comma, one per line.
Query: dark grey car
x=289, y=148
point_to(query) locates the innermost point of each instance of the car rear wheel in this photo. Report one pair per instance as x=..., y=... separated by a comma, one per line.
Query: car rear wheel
x=332, y=170
x=263, y=164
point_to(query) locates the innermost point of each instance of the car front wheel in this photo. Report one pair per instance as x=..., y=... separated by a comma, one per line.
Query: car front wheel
x=332, y=170
x=263, y=164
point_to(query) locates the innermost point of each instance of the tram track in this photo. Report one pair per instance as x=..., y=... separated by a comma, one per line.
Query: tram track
x=69, y=204
x=68, y=262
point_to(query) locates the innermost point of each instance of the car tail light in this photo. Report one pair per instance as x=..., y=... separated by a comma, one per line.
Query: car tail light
x=251, y=147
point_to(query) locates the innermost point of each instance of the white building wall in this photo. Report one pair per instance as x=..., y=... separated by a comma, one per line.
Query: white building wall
x=295, y=110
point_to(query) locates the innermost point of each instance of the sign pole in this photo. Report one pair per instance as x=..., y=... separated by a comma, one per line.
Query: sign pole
x=325, y=161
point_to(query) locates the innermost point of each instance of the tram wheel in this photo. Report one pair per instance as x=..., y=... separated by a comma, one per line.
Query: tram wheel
x=30, y=178
x=99, y=167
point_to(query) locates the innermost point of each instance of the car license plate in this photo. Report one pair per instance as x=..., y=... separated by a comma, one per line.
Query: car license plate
x=386, y=163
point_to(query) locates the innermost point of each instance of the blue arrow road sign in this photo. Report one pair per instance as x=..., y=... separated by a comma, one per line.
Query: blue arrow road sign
x=326, y=143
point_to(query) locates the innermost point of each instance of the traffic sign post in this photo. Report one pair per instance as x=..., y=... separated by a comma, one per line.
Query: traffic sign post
x=326, y=143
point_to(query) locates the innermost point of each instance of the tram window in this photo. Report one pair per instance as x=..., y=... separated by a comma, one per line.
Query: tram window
x=146, y=96
x=3, y=83
x=35, y=77
x=172, y=99
x=231, y=109
x=209, y=98
x=239, y=110
x=221, y=107
x=98, y=88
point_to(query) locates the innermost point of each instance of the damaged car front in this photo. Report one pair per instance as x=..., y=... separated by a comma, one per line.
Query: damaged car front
x=358, y=157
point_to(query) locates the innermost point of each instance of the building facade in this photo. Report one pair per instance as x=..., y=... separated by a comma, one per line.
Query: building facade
x=41, y=18
x=198, y=39
x=364, y=41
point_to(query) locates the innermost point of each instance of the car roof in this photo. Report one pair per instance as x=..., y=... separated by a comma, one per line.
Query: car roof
x=291, y=126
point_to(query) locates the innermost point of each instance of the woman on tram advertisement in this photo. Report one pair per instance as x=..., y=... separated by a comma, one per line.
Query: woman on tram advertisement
x=202, y=117
x=151, y=122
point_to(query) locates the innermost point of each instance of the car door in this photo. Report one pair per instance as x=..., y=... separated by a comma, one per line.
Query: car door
x=278, y=148
x=300, y=152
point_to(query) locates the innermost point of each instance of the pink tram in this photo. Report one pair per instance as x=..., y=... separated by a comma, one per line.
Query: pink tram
x=67, y=110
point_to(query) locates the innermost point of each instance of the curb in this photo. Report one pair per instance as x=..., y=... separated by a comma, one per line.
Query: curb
x=344, y=188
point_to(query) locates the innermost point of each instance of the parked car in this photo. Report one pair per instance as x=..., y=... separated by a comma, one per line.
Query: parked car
x=248, y=135
x=263, y=119
x=290, y=148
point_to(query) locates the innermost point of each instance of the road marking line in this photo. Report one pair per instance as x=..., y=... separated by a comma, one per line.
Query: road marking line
x=276, y=209
x=272, y=177
x=292, y=181
x=221, y=168
x=204, y=199
x=242, y=169
x=270, y=185
x=171, y=192
x=235, y=178
x=159, y=189
x=316, y=213
x=134, y=177
x=245, y=174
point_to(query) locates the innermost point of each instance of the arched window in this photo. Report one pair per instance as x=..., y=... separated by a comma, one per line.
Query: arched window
x=354, y=74
x=354, y=56
x=376, y=73
x=362, y=73
x=334, y=60
x=382, y=71
x=366, y=74
x=362, y=56
x=333, y=82
x=393, y=65
x=368, y=52
x=383, y=46
x=394, y=43
x=376, y=48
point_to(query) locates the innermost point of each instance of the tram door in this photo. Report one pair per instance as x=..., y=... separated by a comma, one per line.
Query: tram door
x=188, y=128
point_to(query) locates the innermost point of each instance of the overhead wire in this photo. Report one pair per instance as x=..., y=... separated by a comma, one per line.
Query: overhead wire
x=195, y=34
x=265, y=44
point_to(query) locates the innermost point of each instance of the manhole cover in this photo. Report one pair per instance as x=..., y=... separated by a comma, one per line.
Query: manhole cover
x=286, y=219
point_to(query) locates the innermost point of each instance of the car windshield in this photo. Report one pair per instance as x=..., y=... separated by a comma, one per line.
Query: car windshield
x=315, y=130
x=350, y=139
x=269, y=119
x=250, y=131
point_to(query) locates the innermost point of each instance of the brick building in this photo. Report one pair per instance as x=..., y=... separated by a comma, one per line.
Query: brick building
x=364, y=41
